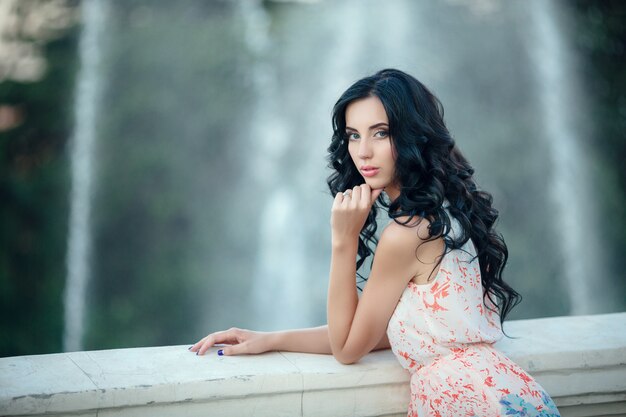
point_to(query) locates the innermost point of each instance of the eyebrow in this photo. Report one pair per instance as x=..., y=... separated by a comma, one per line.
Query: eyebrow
x=370, y=128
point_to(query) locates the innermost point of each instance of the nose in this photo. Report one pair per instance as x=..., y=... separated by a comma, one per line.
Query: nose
x=365, y=149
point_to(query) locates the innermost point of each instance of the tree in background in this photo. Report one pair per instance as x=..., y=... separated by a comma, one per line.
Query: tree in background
x=38, y=40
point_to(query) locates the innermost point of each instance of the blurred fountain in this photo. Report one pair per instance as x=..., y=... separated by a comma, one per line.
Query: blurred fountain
x=215, y=149
x=86, y=101
x=287, y=274
x=278, y=277
x=569, y=182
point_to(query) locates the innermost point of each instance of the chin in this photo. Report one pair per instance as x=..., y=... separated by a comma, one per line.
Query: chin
x=374, y=184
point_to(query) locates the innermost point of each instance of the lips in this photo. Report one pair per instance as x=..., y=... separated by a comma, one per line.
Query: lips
x=369, y=171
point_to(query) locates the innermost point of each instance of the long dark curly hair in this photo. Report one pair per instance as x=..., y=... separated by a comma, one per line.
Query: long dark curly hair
x=430, y=169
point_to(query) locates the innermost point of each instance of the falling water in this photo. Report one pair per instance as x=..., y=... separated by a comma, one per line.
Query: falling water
x=82, y=145
x=277, y=284
x=284, y=268
x=569, y=182
x=294, y=62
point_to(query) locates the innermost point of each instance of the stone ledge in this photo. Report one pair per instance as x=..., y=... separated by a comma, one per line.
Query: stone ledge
x=579, y=360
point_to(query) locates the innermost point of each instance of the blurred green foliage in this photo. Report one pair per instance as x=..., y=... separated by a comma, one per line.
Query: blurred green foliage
x=34, y=191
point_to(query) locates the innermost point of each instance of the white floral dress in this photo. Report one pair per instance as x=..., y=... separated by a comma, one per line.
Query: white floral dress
x=443, y=334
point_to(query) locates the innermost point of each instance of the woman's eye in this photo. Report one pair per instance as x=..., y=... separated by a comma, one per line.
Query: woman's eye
x=352, y=136
x=382, y=133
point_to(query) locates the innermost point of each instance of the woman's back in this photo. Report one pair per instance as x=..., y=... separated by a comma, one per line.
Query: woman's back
x=443, y=333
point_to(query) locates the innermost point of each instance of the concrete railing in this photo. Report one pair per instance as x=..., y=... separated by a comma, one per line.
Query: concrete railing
x=580, y=361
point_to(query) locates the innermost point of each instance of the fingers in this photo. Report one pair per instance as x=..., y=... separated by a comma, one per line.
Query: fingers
x=375, y=194
x=366, y=196
x=355, y=197
x=350, y=210
x=196, y=346
x=360, y=196
x=235, y=349
x=230, y=336
x=338, y=200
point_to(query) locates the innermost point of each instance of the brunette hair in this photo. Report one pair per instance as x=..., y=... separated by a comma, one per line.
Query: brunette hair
x=430, y=169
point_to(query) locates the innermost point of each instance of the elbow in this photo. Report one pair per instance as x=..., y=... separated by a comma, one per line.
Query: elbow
x=345, y=359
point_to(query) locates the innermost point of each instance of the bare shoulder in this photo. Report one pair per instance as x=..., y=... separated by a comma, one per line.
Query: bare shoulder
x=411, y=244
x=406, y=230
x=401, y=239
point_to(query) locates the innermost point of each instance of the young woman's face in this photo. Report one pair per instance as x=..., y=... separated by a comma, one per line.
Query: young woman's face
x=369, y=144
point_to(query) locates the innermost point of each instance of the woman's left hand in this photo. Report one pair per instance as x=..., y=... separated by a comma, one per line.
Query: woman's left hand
x=349, y=212
x=241, y=341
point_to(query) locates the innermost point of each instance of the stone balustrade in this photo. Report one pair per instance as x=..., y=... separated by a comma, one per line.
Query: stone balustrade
x=579, y=360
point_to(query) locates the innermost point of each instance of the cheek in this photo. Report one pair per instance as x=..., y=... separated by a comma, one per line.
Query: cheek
x=352, y=150
x=391, y=157
x=389, y=152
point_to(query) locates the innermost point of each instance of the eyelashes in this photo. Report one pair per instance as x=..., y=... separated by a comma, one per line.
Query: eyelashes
x=382, y=134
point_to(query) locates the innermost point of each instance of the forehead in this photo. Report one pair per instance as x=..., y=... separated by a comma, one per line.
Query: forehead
x=365, y=112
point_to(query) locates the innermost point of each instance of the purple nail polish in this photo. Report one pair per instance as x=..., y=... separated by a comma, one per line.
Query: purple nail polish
x=220, y=352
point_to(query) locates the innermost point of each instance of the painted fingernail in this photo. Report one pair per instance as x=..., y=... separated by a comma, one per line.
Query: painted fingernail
x=220, y=352
x=189, y=348
x=198, y=352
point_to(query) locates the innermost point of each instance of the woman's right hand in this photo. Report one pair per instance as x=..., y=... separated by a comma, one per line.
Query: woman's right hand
x=242, y=342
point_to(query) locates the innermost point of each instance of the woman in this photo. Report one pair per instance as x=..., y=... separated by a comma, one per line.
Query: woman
x=435, y=294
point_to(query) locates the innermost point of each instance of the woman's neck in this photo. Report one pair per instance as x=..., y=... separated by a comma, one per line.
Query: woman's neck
x=392, y=191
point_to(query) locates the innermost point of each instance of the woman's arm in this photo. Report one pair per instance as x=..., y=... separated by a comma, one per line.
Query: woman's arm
x=311, y=340
x=357, y=325
x=247, y=342
x=348, y=215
